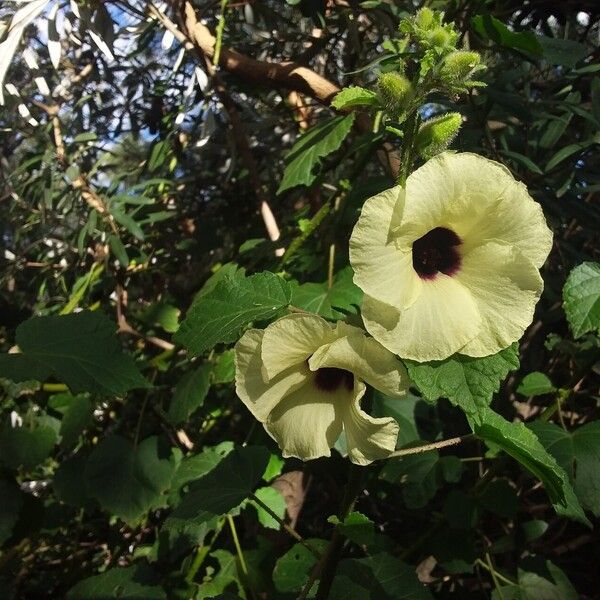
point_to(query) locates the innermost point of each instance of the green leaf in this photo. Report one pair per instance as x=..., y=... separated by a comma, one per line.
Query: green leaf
x=80, y=349
x=305, y=155
x=421, y=475
x=275, y=501
x=89, y=136
x=224, y=367
x=10, y=506
x=596, y=98
x=127, y=583
x=78, y=416
x=353, y=96
x=226, y=575
x=581, y=298
x=378, y=577
x=521, y=443
x=535, y=384
x=195, y=466
x=342, y=298
x=129, y=481
x=491, y=28
x=578, y=453
x=500, y=498
x=562, y=52
x=467, y=382
x=118, y=249
x=292, y=569
x=523, y=160
x=177, y=535
x=403, y=412
x=67, y=481
x=554, y=130
x=356, y=527
x=26, y=448
x=220, y=315
x=565, y=152
x=163, y=314
x=228, y=484
x=189, y=394
x=538, y=580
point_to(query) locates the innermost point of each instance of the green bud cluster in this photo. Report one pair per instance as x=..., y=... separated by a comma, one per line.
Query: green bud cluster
x=427, y=30
x=396, y=92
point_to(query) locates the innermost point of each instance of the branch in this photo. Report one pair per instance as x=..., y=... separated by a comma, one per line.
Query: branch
x=286, y=74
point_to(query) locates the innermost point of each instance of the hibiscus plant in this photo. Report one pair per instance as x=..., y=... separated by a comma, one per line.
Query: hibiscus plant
x=300, y=300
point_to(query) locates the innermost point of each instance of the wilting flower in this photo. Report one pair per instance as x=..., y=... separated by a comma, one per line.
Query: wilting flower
x=303, y=378
x=450, y=263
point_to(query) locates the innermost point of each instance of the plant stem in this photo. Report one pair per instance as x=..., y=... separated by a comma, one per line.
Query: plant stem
x=287, y=527
x=325, y=568
x=202, y=553
x=240, y=552
x=496, y=576
x=428, y=447
x=406, y=160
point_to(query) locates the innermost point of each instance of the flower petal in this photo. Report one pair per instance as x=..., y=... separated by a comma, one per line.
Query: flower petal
x=380, y=269
x=506, y=287
x=518, y=220
x=260, y=396
x=477, y=198
x=367, y=438
x=291, y=340
x=367, y=359
x=307, y=423
x=442, y=320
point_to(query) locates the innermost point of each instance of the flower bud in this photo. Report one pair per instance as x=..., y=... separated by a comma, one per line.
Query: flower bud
x=459, y=65
x=395, y=91
x=437, y=134
x=424, y=18
x=440, y=37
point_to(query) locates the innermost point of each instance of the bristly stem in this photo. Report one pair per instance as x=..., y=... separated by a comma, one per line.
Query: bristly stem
x=325, y=569
x=429, y=447
x=407, y=158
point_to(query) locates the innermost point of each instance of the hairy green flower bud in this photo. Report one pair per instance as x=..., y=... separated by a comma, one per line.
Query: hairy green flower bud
x=437, y=134
x=424, y=18
x=459, y=65
x=440, y=37
x=396, y=92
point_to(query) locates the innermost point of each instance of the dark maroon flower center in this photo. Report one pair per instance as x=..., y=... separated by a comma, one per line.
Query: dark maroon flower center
x=330, y=379
x=436, y=252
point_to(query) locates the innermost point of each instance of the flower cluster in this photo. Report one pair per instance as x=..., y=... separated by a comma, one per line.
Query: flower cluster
x=448, y=263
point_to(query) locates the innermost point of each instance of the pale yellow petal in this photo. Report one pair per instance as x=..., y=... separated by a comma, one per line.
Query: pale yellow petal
x=367, y=438
x=380, y=268
x=260, y=396
x=307, y=423
x=433, y=199
x=367, y=359
x=291, y=340
x=506, y=287
x=442, y=320
x=479, y=200
x=515, y=219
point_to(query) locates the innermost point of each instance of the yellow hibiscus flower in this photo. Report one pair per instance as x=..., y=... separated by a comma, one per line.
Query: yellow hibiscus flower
x=450, y=263
x=303, y=379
